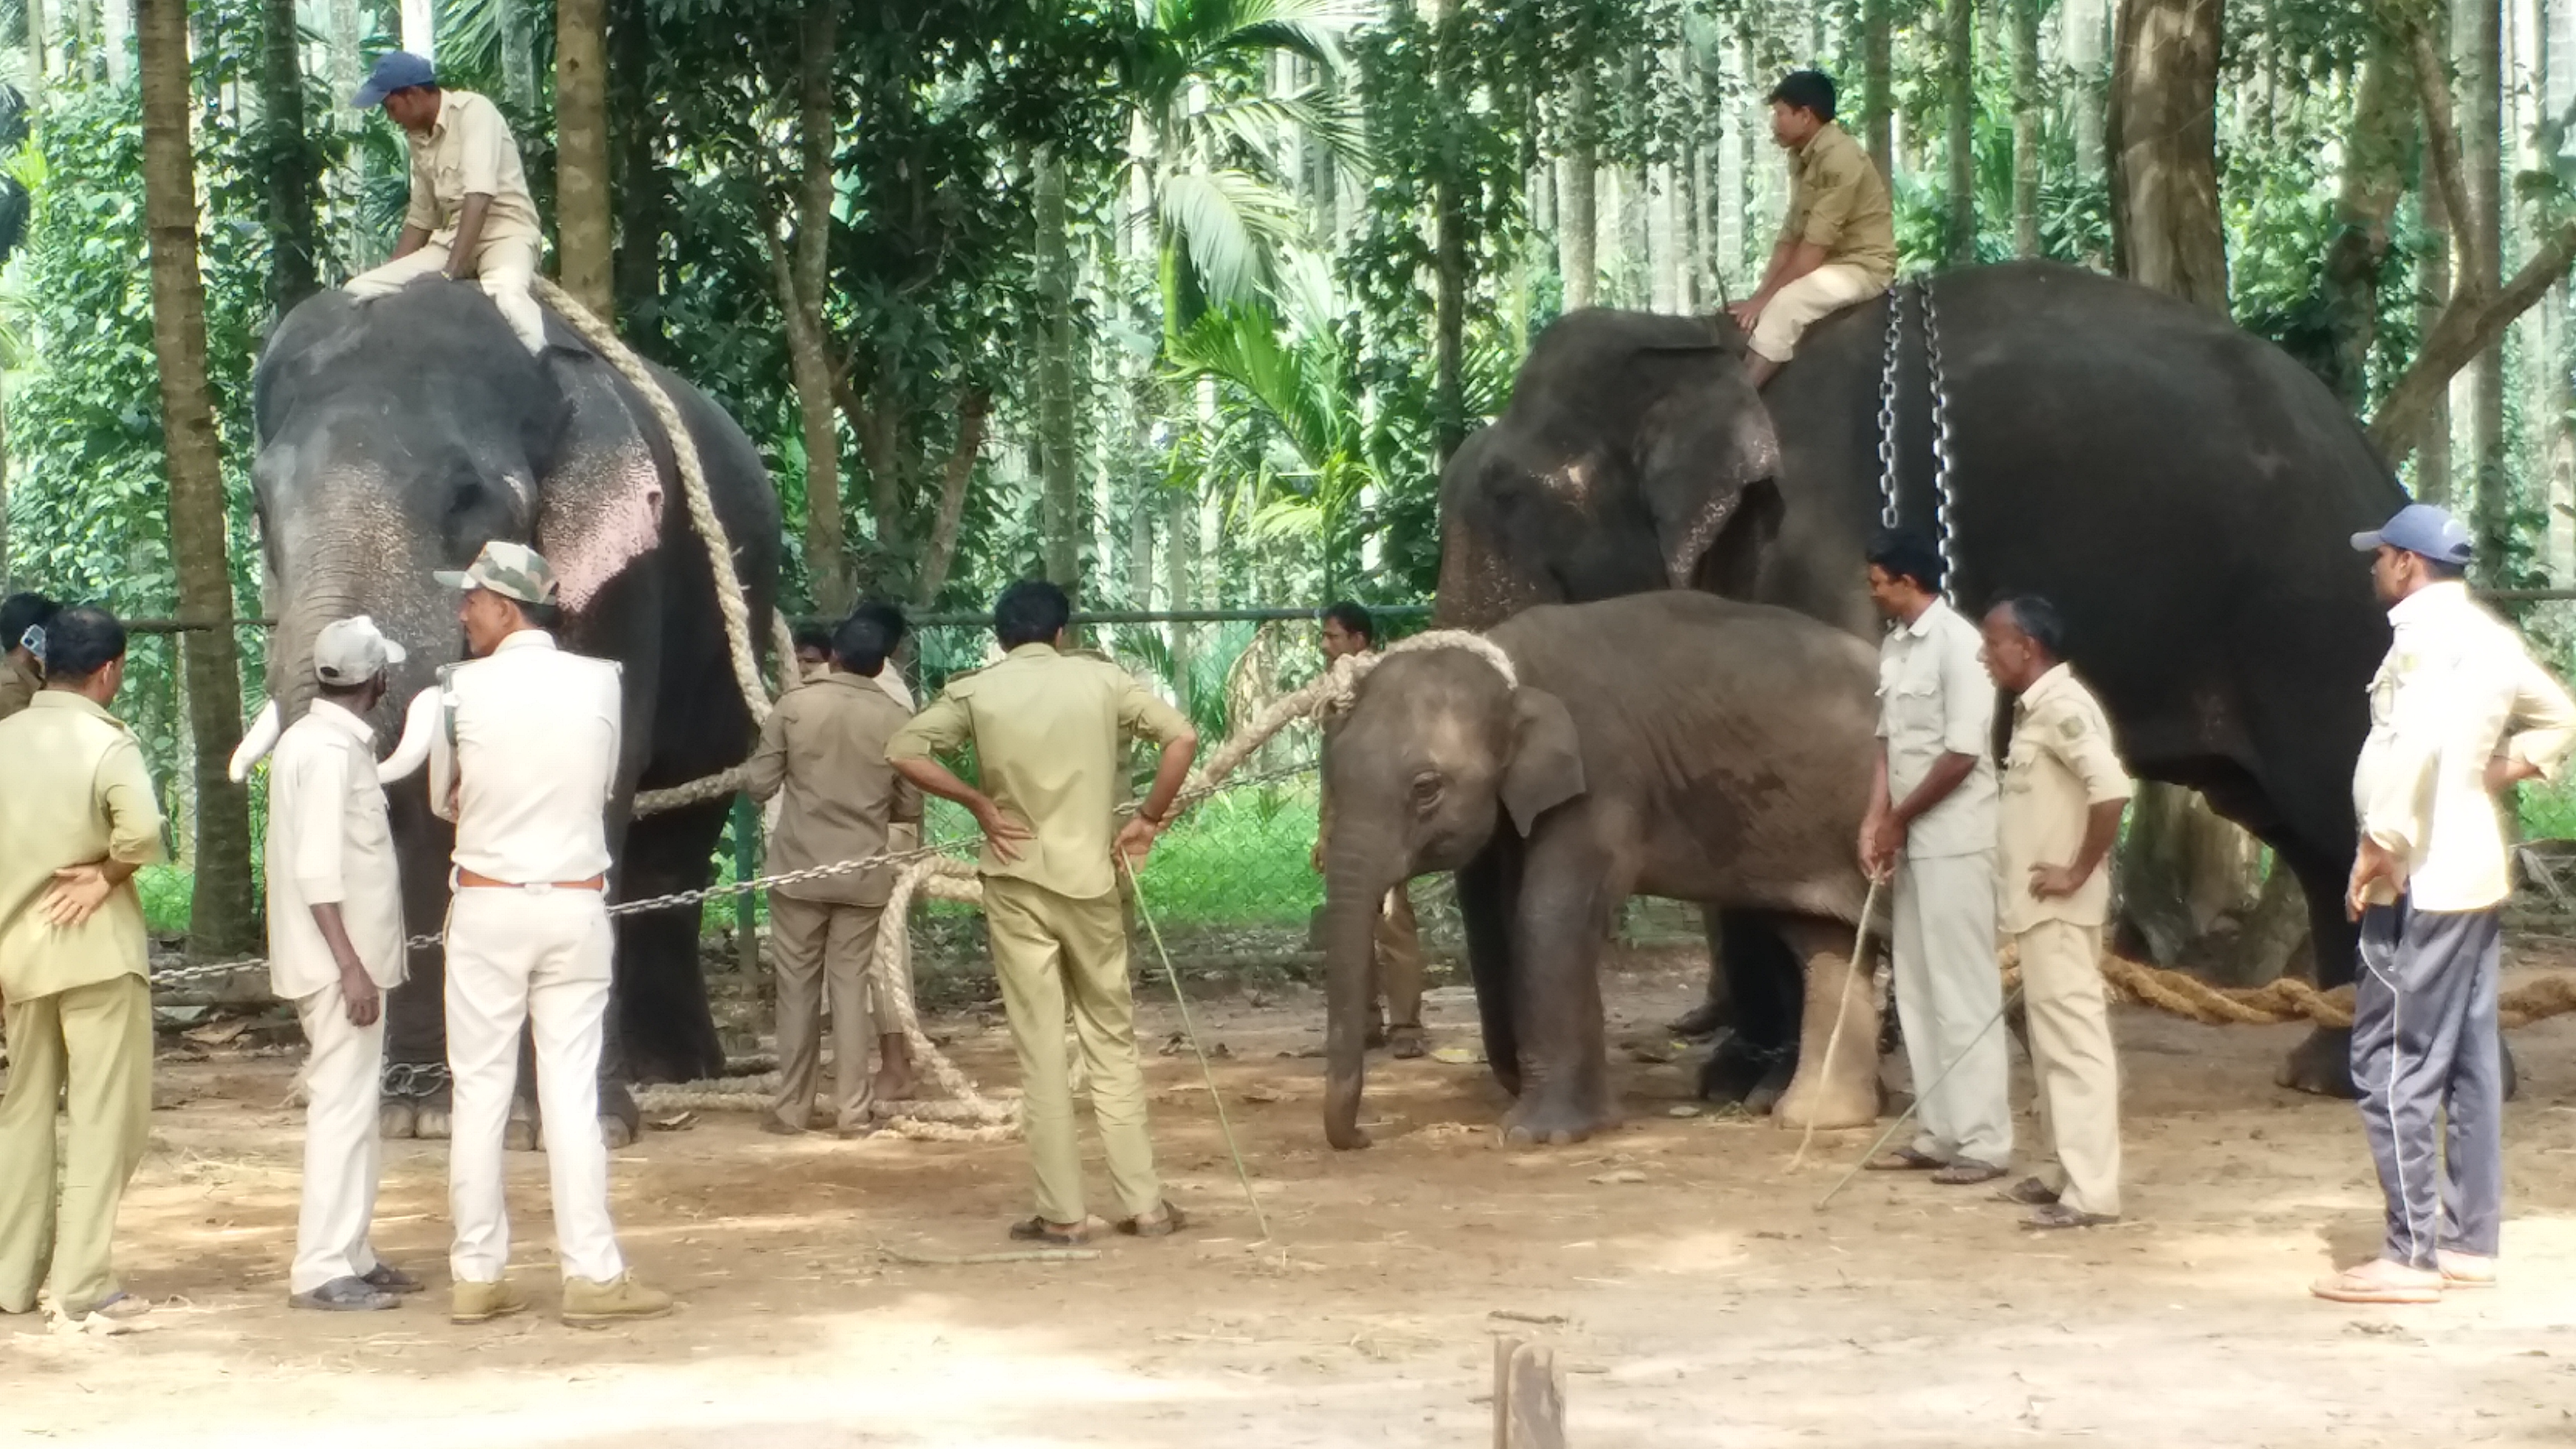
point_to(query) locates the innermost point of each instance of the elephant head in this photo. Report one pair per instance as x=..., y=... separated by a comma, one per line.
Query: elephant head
x=1437, y=754
x=1635, y=455
x=399, y=435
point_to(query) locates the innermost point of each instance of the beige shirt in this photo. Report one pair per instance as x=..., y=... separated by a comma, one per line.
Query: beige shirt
x=534, y=761
x=329, y=843
x=18, y=686
x=468, y=151
x=1935, y=699
x=889, y=679
x=2061, y=765
x=825, y=747
x=2457, y=689
x=77, y=794
x=1838, y=201
x=1046, y=729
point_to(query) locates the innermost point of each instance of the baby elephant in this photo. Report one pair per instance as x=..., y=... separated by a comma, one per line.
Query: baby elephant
x=1670, y=744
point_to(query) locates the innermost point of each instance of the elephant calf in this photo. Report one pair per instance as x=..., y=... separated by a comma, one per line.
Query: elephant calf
x=1670, y=744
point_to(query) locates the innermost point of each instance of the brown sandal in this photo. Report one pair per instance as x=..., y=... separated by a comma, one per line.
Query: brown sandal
x=1905, y=1159
x=1039, y=1230
x=1171, y=1221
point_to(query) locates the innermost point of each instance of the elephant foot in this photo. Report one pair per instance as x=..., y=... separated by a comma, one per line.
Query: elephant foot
x=1737, y=1070
x=1407, y=1043
x=435, y=1124
x=398, y=1120
x=1700, y=1022
x=1851, y=1100
x=620, y=1120
x=1535, y=1122
x=2321, y=1065
x=519, y=1134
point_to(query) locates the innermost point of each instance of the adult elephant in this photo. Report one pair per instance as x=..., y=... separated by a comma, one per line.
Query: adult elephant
x=2183, y=491
x=396, y=437
x=1669, y=744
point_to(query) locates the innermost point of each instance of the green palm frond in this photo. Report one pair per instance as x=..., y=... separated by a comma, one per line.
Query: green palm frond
x=1229, y=223
x=1255, y=124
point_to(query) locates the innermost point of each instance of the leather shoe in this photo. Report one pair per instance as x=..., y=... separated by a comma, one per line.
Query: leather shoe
x=386, y=1278
x=344, y=1295
x=483, y=1302
x=588, y=1303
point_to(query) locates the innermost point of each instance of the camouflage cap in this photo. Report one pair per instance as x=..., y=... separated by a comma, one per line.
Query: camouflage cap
x=512, y=570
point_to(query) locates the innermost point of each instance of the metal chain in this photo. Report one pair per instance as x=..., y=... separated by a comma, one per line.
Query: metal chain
x=1887, y=516
x=707, y=893
x=1942, y=451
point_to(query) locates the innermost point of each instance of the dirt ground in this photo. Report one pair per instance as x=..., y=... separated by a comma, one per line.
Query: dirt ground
x=1695, y=1293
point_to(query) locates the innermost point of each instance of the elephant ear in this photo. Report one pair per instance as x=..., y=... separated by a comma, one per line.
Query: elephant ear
x=1700, y=449
x=1546, y=767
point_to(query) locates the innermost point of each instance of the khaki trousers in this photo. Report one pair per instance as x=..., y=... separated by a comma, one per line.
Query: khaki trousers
x=815, y=944
x=1949, y=992
x=91, y=1048
x=1807, y=301
x=342, y=1144
x=1399, y=959
x=1051, y=952
x=2071, y=1058
x=503, y=267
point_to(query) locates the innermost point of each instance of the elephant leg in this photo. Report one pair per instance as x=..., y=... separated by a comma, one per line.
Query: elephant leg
x=1715, y=1010
x=413, y=1099
x=1752, y=1063
x=1571, y=884
x=1837, y=1077
x=659, y=1027
x=1488, y=890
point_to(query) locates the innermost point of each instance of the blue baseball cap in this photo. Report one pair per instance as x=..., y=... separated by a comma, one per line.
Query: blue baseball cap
x=396, y=70
x=2421, y=528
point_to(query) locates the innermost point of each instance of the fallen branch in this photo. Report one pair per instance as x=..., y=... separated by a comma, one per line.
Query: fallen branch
x=963, y=1260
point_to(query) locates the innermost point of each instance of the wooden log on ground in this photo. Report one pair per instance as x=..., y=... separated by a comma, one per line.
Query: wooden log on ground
x=1529, y=1396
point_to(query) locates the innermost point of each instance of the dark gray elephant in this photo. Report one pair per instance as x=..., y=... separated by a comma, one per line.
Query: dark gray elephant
x=396, y=437
x=1668, y=744
x=2183, y=491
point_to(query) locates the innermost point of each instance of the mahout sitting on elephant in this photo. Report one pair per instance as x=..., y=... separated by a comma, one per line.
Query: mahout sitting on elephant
x=1670, y=744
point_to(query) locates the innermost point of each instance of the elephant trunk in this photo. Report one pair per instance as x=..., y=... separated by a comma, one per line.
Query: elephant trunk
x=1354, y=885
x=316, y=601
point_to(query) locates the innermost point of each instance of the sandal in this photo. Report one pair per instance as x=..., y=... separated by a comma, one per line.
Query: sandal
x=1968, y=1172
x=2059, y=1215
x=2362, y=1285
x=1039, y=1230
x=2029, y=1192
x=1905, y=1159
x=1171, y=1221
x=2466, y=1270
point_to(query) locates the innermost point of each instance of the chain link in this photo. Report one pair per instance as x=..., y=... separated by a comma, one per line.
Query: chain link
x=703, y=894
x=1943, y=445
x=1887, y=515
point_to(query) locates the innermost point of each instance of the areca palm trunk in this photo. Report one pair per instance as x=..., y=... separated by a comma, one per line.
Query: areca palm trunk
x=220, y=910
x=584, y=255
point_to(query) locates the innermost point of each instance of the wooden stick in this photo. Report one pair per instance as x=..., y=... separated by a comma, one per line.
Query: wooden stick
x=961, y=1260
x=1529, y=1396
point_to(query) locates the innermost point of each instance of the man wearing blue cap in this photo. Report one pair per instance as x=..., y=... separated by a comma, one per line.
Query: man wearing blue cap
x=2459, y=712
x=470, y=216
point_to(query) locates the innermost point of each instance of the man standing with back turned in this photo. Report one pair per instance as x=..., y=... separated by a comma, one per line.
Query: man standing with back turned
x=2459, y=713
x=471, y=216
x=525, y=766
x=1046, y=726
x=1837, y=244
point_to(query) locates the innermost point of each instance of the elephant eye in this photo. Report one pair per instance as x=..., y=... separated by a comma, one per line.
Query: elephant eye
x=1426, y=790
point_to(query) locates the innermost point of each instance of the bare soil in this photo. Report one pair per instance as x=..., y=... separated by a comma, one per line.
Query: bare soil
x=1695, y=1293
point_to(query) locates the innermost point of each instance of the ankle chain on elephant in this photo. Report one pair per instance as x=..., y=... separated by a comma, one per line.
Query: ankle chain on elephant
x=415, y=1081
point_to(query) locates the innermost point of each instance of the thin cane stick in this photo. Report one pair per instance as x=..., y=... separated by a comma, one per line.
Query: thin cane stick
x=1190, y=1030
x=1842, y=1010
x=1920, y=1093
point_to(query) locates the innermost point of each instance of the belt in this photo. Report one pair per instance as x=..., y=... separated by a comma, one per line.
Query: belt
x=476, y=880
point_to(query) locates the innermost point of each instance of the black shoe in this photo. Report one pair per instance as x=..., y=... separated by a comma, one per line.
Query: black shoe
x=2029, y=1192
x=344, y=1295
x=386, y=1278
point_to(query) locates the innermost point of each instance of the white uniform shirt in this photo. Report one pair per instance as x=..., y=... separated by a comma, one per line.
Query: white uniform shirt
x=1935, y=699
x=534, y=760
x=329, y=844
x=2457, y=689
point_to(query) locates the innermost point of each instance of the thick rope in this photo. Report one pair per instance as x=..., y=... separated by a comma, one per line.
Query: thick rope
x=2287, y=999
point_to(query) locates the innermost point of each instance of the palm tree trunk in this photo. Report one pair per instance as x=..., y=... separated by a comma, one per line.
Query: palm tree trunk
x=288, y=157
x=2027, y=100
x=641, y=196
x=1959, y=87
x=220, y=919
x=584, y=253
x=2553, y=396
x=1449, y=244
x=2479, y=54
x=802, y=276
x=1577, y=179
x=1060, y=520
x=39, y=51
x=1878, y=69
x=2374, y=180
x=518, y=55
x=2163, y=138
x=2433, y=446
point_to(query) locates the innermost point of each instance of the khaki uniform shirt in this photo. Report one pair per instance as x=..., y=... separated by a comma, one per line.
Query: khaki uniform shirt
x=2457, y=689
x=19, y=686
x=1046, y=729
x=534, y=761
x=2061, y=765
x=329, y=843
x=77, y=794
x=1935, y=699
x=1838, y=201
x=825, y=745
x=469, y=150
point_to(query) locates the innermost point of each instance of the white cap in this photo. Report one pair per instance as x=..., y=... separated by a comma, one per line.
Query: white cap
x=351, y=651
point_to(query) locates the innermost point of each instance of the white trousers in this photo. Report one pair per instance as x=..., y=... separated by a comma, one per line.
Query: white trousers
x=1949, y=992
x=539, y=958
x=1807, y=301
x=342, y=1148
x=502, y=268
